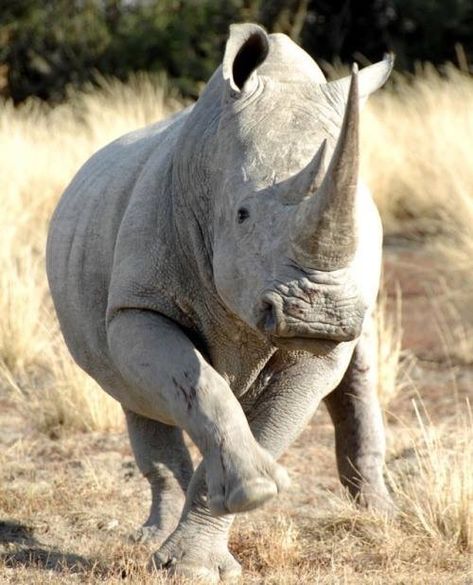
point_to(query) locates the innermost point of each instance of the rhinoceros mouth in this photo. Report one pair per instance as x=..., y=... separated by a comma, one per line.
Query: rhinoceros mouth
x=293, y=321
x=318, y=347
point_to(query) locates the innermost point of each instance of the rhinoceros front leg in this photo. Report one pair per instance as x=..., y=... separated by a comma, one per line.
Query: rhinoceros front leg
x=170, y=381
x=164, y=460
x=198, y=547
x=359, y=431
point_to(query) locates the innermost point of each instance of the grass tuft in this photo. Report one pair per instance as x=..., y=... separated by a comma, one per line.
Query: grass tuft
x=40, y=150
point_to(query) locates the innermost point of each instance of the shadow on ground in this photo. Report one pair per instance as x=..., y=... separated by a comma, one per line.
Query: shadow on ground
x=23, y=549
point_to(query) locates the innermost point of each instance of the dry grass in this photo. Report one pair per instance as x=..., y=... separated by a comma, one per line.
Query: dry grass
x=436, y=496
x=40, y=150
x=429, y=541
x=71, y=493
x=418, y=159
x=417, y=151
x=389, y=325
x=70, y=517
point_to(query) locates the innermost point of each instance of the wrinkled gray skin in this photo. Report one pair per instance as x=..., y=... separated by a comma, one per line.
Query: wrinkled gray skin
x=217, y=273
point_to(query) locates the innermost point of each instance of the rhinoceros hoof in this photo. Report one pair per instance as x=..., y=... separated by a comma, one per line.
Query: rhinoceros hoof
x=247, y=489
x=197, y=564
x=245, y=497
x=379, y=502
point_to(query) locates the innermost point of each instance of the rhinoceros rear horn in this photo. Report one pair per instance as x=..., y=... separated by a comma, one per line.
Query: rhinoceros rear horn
x=247, y=47
x=324, y=230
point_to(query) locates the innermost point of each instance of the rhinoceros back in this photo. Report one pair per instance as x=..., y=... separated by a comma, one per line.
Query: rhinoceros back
x=82, y=239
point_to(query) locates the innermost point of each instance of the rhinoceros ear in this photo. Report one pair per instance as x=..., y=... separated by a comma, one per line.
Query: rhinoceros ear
x=247, y=47
x=370, y=79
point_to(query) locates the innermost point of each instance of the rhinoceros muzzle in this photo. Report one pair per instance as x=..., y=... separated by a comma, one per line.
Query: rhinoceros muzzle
x=323, y=315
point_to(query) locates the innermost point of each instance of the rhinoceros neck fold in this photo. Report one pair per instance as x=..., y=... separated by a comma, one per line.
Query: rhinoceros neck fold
x=192, y=187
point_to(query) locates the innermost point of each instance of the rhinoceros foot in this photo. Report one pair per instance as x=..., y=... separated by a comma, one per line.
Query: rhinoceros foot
x=164, y=516
x=378, y=500
x=187, y=554
x=243, y=481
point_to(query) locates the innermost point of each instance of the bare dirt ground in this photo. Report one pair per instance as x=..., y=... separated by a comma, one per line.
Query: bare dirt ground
x=69, y=502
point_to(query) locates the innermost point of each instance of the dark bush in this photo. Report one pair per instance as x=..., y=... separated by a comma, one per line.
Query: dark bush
x=48, y=45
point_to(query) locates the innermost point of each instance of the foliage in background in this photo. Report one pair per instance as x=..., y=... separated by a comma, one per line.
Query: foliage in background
x=47, y=46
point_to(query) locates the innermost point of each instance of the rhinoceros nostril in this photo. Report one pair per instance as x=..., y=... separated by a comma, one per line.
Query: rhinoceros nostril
x=268, y=317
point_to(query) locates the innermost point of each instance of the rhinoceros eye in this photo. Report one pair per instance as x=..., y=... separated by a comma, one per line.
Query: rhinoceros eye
x=243, y=214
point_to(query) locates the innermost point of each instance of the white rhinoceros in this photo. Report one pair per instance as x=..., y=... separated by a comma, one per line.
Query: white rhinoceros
x=217, y=276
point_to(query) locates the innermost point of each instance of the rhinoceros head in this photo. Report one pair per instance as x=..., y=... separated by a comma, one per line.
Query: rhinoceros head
x=296, y=238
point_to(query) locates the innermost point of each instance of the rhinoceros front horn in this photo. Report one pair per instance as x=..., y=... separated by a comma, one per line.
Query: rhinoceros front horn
x=324, y=231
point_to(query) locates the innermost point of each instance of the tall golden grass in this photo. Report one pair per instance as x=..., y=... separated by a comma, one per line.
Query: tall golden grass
x=417, y=159
x=437, y=499
x=40, y=150
x=419, y=162
x=417, y=151
x=417, y=156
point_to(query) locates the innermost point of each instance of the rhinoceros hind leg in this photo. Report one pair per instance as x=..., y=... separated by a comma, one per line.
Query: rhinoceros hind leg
x=164, y=460
x=359, y=431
